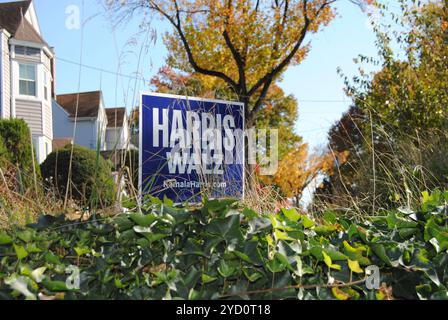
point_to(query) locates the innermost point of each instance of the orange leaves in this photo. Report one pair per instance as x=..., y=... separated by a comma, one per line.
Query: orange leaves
x=298, y=169
x=263, y=35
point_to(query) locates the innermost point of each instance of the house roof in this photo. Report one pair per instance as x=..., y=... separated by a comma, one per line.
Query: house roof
x=12, y=19
x=88, y=106
x=115, y=117
x=11, y=14
x=26, y=32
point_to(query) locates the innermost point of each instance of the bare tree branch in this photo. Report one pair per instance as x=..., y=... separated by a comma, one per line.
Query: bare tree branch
x=279, y=68
x=240, y=62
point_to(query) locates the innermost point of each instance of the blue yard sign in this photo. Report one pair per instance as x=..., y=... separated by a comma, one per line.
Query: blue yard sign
x=191, y=148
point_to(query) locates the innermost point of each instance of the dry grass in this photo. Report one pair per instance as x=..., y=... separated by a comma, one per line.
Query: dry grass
x=20, y=205
x=394, y=176
x=262, y=198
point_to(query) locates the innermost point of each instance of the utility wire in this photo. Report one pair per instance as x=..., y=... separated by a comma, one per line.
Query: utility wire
x=141, y=77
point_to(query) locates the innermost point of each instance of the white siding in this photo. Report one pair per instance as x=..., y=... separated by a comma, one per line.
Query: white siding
x=118, y=138
x=5, y=77
x=48, y=121
x=31, y=112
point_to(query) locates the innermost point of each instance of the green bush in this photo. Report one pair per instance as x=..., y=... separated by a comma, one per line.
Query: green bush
x=219, y=251
x=3, y=153
x=91, y=180
x=16, y=148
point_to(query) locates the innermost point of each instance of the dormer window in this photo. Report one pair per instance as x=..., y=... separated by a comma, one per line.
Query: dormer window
x=27, y=51
x=27, y=79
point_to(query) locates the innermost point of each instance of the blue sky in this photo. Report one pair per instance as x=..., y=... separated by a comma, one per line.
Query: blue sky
x=315, y=83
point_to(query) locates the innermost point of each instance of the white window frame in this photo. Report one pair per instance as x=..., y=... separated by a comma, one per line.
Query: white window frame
x=36, y=75
x=26, y=52
x=46, y=95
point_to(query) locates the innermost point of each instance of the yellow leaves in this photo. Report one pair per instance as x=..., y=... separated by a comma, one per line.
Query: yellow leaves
x=264, y=34
x=329, y=262
x=444, y=25
x=345, y=293
x=354, y=266
x=297, y=169
x=339, y=294
x=351, y=249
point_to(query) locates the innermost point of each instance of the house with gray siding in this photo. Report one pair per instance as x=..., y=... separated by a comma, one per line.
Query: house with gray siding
x=86, y=111
x=27, y=73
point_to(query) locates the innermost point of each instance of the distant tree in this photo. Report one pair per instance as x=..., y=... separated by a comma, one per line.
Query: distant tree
x=396, y=130
x=298, y=169
x=246, y=44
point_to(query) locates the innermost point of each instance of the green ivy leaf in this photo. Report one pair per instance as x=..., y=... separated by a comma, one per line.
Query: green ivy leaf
x=207, y=279
x=380, y=251
x=329, y=262
x=26, y=235
x=55, y=286
x=143, y=220
x=291, y=214
x=5, y=239
x=20, y=252
x=242, y=256
x=80, y=251
x=307, y=222
x=225, y=269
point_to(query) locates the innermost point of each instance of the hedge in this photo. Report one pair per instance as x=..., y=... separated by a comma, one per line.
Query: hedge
x=16, y=148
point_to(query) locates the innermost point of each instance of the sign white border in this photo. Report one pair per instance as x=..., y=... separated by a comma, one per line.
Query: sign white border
x=175, y=96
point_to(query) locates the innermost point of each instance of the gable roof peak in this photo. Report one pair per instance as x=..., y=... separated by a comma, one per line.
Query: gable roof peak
x=12, y=14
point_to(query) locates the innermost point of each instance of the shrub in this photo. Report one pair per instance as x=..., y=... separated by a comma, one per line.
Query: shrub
x=91, y=180
x=3, y=153
x=17, y=145
x=218, y=251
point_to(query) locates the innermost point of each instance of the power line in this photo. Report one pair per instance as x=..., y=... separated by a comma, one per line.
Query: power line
x=100, y=69
x=142, y=78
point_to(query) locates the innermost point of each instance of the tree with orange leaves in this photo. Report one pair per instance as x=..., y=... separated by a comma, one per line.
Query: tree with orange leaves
x=298, y=169
x=245, y=44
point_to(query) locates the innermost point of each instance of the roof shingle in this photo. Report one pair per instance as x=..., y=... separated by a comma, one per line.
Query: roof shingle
x=12, y=19
x=26, y=32
x=88, y=106
x=115, y=117
x=11, y=14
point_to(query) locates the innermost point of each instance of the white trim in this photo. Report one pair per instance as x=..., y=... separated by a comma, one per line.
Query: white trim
x=12, y=107
x=37, y=81
x=5, y=32
x=2, y=76
x=175, y=96
x=93, y=119
x=140, y=150
x=25, y=43
x=34, y=18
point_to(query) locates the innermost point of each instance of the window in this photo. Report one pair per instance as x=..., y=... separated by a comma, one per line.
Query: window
x=45, y=86
x=27, y=79
x=27, y=51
